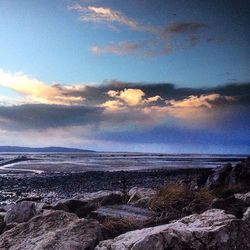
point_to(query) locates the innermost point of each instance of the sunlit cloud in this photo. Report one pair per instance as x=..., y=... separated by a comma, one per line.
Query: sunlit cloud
x=35, y=91
x=41, y=106
x=131, y=97
x=200, y=101
x=103, y=15
x=161, y=43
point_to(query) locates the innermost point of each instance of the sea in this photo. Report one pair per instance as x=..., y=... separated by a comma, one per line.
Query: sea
x=110, y=161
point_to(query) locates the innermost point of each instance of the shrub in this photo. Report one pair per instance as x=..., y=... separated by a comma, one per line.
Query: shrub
x=174, y=201
x=114, y=227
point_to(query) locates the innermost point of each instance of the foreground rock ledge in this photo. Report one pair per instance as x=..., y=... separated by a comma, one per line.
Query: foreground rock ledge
x=54, y=230
x=214, y=229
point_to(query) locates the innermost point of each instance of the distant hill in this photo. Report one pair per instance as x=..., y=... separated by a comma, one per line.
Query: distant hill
x=13, y=149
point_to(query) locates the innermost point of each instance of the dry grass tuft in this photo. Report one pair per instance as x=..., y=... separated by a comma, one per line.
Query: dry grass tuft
x=114, y=227
x=174, y=201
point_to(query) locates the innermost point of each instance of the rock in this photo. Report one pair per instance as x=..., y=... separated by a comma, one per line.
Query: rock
x=59, y=206
x=2, y=223
x=9, y=226
x=214, y=229
x=243, y=197
x=142, y=203
x=56, y=230
x=229, y=176
x=79, y=207
x=219, y=176
x=21, y=212
x=141, y=196
x=125, y=212
x=104, y=197
x=231, y=205
x=83, y=205
x=246, y=217
x=31, y=198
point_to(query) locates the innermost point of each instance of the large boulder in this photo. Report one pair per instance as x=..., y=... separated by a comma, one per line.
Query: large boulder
x=141, y=197
x=218, y=178
x=55, y=230
x=21, y=212
x=214, y=229
x=82, y=205
x=230, y=205
x=79, y=207
x=228, y=176
x=104, y=197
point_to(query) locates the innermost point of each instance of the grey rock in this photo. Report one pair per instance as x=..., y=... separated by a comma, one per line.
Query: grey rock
x=231, y=205
x=103, y=197
x=141, y=197
x=229, y=175
x=9, y=226
x=243, y=197
x=214, y=229
x=21, y=212
x=246, y=217
x=56, y=230
x=2, y=223
x=125, y=212
x=83, y=205
x=218, y=178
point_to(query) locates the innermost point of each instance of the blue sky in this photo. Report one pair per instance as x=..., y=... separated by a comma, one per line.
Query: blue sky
x=63, y=52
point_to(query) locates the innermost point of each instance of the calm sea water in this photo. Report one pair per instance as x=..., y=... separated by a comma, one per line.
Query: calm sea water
x=81, y=162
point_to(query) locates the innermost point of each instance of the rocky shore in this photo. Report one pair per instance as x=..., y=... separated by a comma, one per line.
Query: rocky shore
x=186, y=210
x=63, y=185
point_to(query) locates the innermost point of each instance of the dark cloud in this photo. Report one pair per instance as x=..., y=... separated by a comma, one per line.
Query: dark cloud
x=230, y=129
x=194, y=39
x=171, y=91
x=215, y=40
x=95, y=95
x=43, y=116
x=185, y=27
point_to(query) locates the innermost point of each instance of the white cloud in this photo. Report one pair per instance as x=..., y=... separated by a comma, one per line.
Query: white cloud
x=103, y=15
x=35, y=91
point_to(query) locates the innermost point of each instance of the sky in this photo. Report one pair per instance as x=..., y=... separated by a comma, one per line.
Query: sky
x=126, y=75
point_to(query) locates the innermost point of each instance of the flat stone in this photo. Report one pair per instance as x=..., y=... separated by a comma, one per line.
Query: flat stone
x=124, y=212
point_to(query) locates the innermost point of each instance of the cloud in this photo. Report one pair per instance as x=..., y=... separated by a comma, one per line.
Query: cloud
x=215, y=40
x=121, y=112
x=45, y=116
x=157, y=45
x=113, y=102
x=185, y=27
x=142, y=48
x=126, y=98
x=104, y=15
x=35, y=91
x=121, y=48
x=161, y=43
x=131, y=97
x=201, y=101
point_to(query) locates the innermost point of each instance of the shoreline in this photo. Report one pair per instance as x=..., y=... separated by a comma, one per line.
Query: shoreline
x=64, y=185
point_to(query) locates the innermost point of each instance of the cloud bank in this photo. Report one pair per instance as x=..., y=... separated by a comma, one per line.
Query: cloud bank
x=126, y=112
